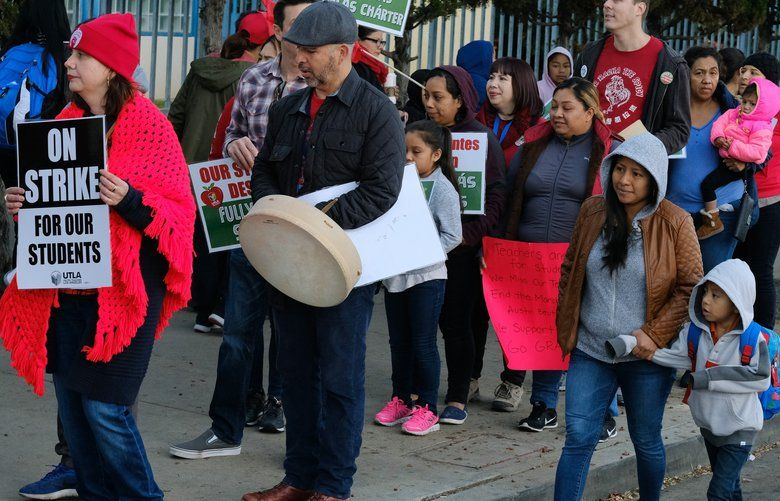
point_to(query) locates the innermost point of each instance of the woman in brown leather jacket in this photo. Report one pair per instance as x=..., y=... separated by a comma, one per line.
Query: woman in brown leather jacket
x=630, y=268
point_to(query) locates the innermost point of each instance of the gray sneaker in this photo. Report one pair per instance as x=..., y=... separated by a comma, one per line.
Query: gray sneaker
x=508, y=397
x=205, y=446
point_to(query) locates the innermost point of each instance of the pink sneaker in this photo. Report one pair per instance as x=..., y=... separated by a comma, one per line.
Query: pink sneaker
x=395, y=412
x=423, y=422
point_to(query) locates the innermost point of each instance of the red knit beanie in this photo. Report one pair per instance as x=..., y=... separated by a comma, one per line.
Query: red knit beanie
x=112, y=40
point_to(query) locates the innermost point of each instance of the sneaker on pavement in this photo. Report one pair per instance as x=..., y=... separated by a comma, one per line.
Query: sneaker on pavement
x=540, y=418
x=202, y=328
x=423, y=422
x=217, y=320
x=453, y=415
x=272, y=419
x=255, y=403
x=507, y=397
x=608, y=429
x=207, y=445
x=473, y=390
x=59, y=483
x=393, y=413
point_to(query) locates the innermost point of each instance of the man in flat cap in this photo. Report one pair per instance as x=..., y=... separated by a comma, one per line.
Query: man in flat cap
x=338, y=130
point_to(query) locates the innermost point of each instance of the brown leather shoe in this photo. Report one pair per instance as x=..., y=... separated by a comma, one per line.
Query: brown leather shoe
x=280, y=492
x=318, y=496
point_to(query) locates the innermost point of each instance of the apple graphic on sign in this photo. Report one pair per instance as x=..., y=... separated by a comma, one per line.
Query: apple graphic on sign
x=212, y=196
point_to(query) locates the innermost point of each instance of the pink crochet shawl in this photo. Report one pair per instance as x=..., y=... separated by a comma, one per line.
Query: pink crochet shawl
x=144, y=151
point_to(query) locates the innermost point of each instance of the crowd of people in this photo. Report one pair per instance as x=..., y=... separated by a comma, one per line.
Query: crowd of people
x=655, y=167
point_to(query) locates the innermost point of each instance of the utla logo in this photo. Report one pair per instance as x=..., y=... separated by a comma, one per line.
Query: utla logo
x=56, y=277
x=212, y=196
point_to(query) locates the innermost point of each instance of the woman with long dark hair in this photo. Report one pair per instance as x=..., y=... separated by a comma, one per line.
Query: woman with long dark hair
x=451, y=101
x=98, y=342
x=630, y=269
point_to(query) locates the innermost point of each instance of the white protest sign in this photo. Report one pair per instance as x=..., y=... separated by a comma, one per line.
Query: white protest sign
x=469, y=156
x=64, y=239
x=403, y=239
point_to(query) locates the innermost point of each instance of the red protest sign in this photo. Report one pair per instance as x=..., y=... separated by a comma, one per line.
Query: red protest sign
x=521, y=291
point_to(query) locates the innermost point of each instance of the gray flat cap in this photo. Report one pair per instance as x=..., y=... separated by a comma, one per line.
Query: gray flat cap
x=323, y=23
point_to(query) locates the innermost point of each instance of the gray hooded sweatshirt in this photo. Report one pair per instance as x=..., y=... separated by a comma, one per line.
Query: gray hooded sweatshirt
x=723, y=401
x=614, y=304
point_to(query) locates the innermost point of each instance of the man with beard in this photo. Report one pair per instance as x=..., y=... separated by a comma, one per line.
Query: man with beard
x=338, y=130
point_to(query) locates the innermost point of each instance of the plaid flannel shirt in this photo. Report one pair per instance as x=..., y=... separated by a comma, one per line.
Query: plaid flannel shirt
x=260, y=86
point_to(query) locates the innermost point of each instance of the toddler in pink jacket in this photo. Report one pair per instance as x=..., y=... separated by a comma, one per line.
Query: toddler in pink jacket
x=744, y=134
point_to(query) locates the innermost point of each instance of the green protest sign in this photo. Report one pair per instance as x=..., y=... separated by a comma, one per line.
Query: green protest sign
x=384, y=15
x=469, y=156
x=427, y=187
x=223, y=195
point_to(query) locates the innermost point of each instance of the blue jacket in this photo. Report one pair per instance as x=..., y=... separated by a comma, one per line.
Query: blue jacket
x=476, y=57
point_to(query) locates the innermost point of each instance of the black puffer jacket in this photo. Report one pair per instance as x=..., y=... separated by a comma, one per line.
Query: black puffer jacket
x=667, y=112
x=357, y=136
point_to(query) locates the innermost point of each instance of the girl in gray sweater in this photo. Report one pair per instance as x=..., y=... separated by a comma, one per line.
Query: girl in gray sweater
x=413, y=300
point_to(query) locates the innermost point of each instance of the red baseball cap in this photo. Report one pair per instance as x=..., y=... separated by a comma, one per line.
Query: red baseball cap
x=256, y=24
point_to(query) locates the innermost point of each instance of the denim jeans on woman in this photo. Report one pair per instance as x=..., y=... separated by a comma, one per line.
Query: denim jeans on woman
x=103, y=439
x=720, y=247
x=412, y=319
x=322, y=360
x=590, y=386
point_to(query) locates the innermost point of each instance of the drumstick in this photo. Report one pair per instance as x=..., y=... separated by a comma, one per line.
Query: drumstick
x=396, y=70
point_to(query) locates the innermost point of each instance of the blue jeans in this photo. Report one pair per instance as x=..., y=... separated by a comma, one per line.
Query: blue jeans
x=759, y=251
x=590, y=386
x=720, y=247
x=103, y=439
x=322, y=359
x=412, y=319
x=727, y=462
x=246, y=309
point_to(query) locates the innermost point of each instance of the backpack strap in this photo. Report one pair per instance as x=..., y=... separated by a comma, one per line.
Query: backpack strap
x=748, y=341
x=694, y=333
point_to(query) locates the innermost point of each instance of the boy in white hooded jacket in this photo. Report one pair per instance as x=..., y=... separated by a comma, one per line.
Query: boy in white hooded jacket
x=723, y=401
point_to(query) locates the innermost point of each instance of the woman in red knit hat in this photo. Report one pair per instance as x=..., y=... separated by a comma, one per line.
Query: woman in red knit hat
x=98, y=342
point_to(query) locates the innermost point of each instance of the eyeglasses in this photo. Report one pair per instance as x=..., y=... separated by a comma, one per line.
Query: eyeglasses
x=380, y=43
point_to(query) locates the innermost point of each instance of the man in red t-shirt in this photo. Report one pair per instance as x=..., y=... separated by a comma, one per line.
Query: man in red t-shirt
x=638, y=76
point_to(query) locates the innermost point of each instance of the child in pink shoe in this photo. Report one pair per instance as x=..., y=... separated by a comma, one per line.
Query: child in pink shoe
x=413, y=300
x=744, y=134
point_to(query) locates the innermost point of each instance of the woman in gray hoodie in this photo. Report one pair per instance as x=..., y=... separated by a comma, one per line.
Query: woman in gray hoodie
x=629, y=269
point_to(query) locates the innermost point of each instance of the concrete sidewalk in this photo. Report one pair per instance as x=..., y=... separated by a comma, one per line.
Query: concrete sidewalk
x=486, y=458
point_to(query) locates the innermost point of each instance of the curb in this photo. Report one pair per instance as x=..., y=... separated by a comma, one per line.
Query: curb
x=681, y=457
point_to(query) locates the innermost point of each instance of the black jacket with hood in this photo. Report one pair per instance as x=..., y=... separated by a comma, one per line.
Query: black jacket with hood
x=667, y=112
